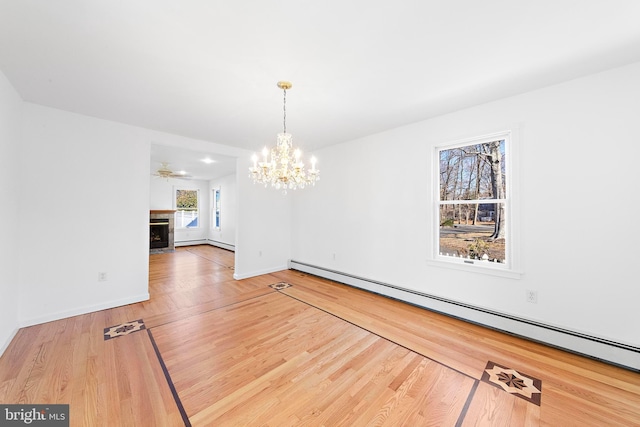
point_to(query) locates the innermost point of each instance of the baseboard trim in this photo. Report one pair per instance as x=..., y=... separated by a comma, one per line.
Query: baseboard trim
x=190, y=242
x=82, y=310
x=612, y=352
x=222, y=245
x=210, y=242
x=238, y=276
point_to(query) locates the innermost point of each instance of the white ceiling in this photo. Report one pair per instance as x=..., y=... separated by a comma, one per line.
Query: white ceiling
x=202, y=165
x=208, y=69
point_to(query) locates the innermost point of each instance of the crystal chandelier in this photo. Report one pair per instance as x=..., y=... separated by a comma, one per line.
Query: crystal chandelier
x=282, y=166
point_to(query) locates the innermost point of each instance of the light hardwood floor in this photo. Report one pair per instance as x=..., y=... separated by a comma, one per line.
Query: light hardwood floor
x=215, y=352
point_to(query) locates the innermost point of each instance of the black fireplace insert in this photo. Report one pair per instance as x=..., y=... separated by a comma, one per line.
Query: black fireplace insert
x=158, y=233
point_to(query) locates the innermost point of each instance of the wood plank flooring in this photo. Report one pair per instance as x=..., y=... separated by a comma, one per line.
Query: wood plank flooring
x=219, y=352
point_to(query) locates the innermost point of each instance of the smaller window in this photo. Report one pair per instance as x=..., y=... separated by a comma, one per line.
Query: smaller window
x=216, y=209
x=187, y=208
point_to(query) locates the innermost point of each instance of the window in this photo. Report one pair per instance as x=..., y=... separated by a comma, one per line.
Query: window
x=473, y=206
x=216, y=209
x=186, y=208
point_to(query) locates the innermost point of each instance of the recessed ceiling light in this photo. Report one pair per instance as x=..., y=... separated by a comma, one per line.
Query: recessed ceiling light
x=208, y=160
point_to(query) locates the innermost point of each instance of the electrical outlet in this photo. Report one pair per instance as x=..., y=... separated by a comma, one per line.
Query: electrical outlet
x=532, y=296
x=102, y=276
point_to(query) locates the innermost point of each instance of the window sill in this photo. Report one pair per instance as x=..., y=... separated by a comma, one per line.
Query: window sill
x=476, y=267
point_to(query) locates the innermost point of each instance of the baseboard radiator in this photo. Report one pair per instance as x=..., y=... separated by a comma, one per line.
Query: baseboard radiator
x=211, y=242
x=620, y=354
x=222, y=245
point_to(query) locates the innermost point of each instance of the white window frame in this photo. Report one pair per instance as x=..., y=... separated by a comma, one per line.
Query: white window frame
x=175, y=206
x=512, y=267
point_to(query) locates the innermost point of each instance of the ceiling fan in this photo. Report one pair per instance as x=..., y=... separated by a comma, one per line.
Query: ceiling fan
x=164, y=172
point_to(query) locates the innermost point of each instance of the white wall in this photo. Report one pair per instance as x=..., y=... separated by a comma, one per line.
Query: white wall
x=579, y=150
x=10, y=197
x=263, y=234
x=85, y=211
x=228, y=212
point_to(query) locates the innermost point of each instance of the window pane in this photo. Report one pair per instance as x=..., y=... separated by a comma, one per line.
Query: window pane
x=187, y=208
x=469, y=230
x=473, y=172
x=216, y=208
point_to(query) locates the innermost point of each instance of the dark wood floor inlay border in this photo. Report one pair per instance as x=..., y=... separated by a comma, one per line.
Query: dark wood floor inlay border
x=123, y=329
x=516, y=383
x=167, y=376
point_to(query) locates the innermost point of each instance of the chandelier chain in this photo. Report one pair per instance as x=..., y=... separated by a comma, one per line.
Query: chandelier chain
x=284, y=110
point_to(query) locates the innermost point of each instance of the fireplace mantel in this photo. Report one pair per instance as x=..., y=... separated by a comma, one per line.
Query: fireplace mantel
x=161, y=211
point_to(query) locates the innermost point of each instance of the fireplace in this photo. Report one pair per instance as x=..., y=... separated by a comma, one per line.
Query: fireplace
x=158, y=233
x=161, y=225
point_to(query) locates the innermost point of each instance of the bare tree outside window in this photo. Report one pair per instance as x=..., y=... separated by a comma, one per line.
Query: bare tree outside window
x=472, y=201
